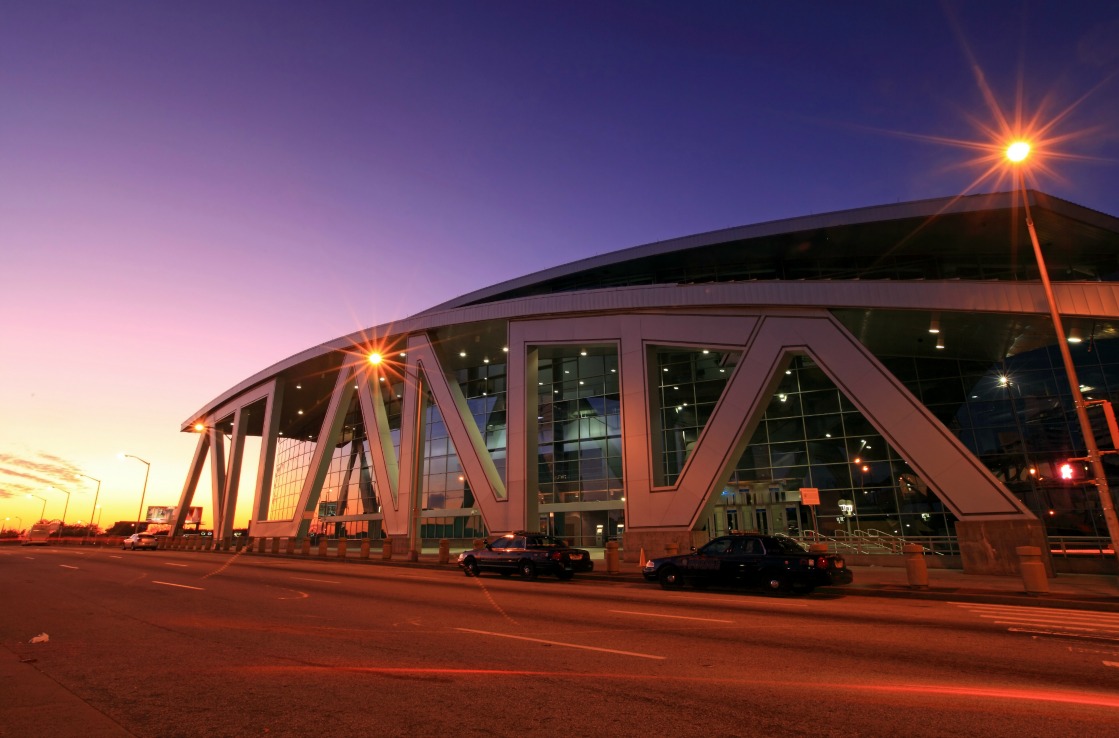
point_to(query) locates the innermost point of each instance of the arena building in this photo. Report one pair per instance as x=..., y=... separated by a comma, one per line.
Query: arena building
x=887, y=373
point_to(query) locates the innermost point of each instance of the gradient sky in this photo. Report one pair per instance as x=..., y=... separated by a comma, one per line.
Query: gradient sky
x=192, y=191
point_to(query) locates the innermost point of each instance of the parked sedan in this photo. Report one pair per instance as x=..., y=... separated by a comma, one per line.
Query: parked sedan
x=139, y=540
x=773, y=562
x=528, y=554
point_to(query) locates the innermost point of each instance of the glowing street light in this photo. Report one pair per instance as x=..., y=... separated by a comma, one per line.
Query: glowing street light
x=95, y=497
x=8, y=520
x=143, y=492
x=1017, y=152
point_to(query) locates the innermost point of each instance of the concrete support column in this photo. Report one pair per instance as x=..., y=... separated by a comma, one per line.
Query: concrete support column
x=990, y=546
x=305, y=548
x=275, y=544
x=290, y=549
x=654, y=543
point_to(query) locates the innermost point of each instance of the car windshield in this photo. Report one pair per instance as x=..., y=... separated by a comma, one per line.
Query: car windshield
x=783, y=545
x=546, y=542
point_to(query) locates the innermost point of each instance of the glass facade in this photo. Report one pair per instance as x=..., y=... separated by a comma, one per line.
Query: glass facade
x=995, y=381
x=690, y=383
x=293, y=460
x=811, y=435
x=579, y=415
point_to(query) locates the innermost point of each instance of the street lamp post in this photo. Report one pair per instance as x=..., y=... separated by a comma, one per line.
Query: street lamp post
x=1017, y=152
x=65, y=509
x=95, y=498
x=20, y=522
x=143, y=492
x=43, y=512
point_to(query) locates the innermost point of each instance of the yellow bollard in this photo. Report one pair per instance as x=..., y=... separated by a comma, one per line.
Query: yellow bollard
x=386, y=549
x=1034, y=577
x=444, y=551
x=341, y=549
x=915, y=568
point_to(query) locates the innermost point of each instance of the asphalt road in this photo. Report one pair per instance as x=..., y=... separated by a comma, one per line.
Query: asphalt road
x=186, y=644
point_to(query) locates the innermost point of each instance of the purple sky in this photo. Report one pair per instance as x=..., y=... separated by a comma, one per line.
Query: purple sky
x=190, y=192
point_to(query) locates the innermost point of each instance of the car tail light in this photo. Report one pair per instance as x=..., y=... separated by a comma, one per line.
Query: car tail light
x=556, y=555
x=822, y=562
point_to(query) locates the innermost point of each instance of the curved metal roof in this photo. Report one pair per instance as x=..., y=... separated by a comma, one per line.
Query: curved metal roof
x=963, y=225
x=851, y=244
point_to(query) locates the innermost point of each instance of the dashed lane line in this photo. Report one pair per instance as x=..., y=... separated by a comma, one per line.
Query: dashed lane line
x=673, y=617
x=181, y=586
x=560, y=643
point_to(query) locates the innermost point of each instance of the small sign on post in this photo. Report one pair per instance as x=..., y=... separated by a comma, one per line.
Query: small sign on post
x=811, y=496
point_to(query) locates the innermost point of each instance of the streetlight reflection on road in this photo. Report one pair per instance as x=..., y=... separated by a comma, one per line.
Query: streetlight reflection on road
x=1017, y=152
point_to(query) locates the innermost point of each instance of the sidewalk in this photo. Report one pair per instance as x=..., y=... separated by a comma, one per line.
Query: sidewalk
x=1072, y=591
x=31, y=703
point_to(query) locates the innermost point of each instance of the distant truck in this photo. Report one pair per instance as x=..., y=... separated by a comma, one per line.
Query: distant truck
x=39, y=534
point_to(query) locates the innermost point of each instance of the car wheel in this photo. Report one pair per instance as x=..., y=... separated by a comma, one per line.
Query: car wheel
x=669, y=577
x=123, y=547
x=565, y=575
x=775, y=582
x=470, y=567
x=527, y=569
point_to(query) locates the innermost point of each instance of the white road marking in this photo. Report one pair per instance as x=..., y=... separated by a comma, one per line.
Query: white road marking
x=323, y=581
x=1064, y=634
x=67, y=566
x=302, y=596
x=168, y=563
x=559, y=643
x=1111, y=663
x=752, y=602
x=1028, y=622
x=1049, y=621
x=674, y=617
x=172, y=584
